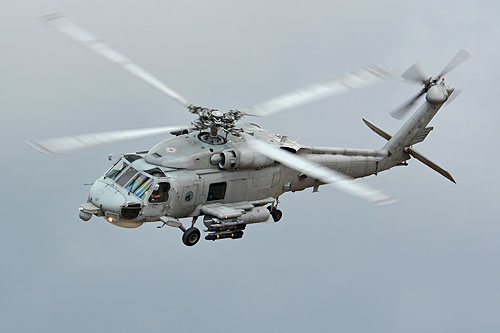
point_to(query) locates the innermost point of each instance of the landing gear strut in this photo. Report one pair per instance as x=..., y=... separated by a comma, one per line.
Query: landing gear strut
x=190, y=236
x=276, y=214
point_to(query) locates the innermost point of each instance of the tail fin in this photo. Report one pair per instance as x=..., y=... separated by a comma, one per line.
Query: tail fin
x=414, y=130
x=412, y=151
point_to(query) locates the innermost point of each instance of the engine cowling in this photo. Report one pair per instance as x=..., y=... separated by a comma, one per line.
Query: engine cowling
x=240, y=159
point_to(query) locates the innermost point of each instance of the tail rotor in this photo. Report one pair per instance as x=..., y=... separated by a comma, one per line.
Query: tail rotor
x=415, y=74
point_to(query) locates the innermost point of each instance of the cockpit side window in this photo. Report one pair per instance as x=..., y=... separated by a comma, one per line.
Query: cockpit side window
x=160, y=194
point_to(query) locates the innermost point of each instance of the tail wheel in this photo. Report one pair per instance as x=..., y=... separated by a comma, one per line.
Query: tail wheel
x=191, y=236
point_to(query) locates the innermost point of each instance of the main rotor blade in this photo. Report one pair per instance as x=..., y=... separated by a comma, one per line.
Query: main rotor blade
x=458, y=59
x=77, y=142
x=415, y=74
x=78, y=34
x=401, y=112
x=349, y=81
x=320, y=172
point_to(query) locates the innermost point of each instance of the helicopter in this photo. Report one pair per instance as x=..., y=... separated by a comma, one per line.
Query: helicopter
x=233, y=173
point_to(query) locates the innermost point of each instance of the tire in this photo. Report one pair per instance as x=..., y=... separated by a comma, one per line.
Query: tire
x=276, y=214
x=191, y=236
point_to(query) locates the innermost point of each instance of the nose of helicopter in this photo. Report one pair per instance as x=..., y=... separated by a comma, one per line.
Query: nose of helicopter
x=106, y=197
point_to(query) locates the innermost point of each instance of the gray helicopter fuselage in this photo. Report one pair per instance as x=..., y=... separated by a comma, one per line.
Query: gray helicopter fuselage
x=198, y=173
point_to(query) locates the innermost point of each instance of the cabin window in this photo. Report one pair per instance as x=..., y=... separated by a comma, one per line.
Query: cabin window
x=160, y=194
x=216, y=191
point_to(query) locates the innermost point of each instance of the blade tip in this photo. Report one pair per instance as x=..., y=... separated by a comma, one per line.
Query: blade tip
x=40, y=148
x=52, y=17
x=396, y=115
x=386, y=201
x=465, y=53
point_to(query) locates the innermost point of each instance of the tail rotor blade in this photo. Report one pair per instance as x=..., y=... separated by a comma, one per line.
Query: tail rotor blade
x=402, y=111
x=415, y=74
x=457, y=60
x=454, y=95
x=69, y=144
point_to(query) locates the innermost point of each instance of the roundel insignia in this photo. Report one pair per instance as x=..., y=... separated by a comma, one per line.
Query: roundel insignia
x=171, y=149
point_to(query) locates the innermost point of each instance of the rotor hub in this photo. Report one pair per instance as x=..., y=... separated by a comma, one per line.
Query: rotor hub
x=215, y=121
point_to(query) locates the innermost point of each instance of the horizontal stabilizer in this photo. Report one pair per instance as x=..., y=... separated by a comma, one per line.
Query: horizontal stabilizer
x=377, y=130
x=430, y=164
x=412, y=151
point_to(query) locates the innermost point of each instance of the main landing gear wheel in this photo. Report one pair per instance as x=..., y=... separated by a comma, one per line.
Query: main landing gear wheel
x=276, y=214
x=191, y=236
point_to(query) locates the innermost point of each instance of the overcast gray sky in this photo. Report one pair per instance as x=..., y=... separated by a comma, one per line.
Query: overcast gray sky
x=334, y=263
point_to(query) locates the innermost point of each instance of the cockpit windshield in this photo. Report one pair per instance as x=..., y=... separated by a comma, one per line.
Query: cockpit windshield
x=132, y=180
x=139, y=185
x=125, y=176
x=116, y=170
